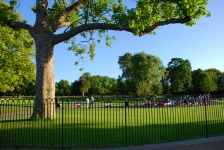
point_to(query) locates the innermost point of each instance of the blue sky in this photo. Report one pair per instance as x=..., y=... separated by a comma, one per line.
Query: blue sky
x=201, y=44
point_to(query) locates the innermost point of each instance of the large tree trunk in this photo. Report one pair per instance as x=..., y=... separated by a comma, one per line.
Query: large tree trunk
x=44, y=106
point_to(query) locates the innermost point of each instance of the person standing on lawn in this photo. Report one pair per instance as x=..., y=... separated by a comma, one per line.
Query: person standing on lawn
x=91, y=101
x=87, y=102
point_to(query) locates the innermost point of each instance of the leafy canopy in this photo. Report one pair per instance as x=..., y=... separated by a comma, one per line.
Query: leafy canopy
x=63, y=88
x=86, y=22
x=180, y=75
x=16, y=53
x=142, y=72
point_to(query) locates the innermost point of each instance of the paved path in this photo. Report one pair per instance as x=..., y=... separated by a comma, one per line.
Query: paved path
x=212, y=143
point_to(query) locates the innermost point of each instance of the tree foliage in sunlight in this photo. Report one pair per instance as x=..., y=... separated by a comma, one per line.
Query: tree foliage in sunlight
x=16, y=53
x=142, y=73
x=180, y=76
x=63, y=88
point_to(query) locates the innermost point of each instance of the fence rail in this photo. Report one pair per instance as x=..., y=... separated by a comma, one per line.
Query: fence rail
x=108, y=123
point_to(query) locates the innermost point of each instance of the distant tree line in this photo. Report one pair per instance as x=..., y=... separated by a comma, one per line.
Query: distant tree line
x=142, y=74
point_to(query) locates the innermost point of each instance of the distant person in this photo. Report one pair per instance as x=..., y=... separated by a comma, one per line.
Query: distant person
x=78, y=104
x=91, y=101
x=87, y=102
x=185, y=101
x=106, y=104
x=200, y=100
x=144, y=103
x=153, y=100
x=179, y=101
x=192, y=100
x=57, y=101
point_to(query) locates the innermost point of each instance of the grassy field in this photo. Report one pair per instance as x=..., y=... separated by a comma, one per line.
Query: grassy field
x=99, y=127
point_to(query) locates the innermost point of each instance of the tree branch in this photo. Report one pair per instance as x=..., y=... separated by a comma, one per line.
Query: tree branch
x=60, y=17
x=20, y=25
x=165, y=22
x=86, y=27
x=105, y=26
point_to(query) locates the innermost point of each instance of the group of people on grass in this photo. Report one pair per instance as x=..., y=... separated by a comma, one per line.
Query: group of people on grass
x=150, y=102
x=185, y=100
x=191, y=100
x=89, y=101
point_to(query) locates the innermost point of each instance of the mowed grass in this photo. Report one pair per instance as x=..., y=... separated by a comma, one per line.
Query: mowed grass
x=116, y=126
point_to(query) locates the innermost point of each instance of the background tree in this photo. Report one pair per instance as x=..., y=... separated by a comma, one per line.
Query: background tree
x=84, y=17
x=147, y=72
x=207, y=85
x=205, y=80
x=143, y=72
x=214, y=74
x=109, y=85
x=112, y=88
x=75, y=88
x=165, y=82
x=30, y=88
x=63, y=88
x=26, y=88
x=209, y=80
x=221, y=82
x=127, y=73
x=197, y=76
x=85, y=80
x=122, y=86
x=179, y=75
x=16, y=53
x=103, y=85
x=96, y=85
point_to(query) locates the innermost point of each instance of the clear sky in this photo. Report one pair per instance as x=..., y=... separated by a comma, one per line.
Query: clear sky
x=201, y=44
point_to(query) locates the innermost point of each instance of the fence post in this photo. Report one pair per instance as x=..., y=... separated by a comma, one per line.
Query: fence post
x=126, y=142
x=62, y=127
x=206, y=119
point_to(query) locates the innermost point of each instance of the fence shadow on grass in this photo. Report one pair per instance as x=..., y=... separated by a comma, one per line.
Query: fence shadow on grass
x=48, y=134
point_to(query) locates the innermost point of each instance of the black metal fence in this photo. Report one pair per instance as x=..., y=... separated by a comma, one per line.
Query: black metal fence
x=108, y=122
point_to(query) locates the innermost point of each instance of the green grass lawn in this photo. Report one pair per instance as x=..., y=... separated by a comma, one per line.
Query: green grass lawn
x=99, y=127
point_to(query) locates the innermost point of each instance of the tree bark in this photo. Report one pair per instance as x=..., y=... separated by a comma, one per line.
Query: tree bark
x=44, y=106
